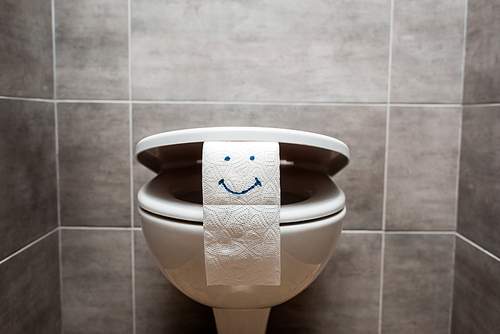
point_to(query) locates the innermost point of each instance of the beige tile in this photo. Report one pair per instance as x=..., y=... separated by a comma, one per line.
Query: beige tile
x=427, y=51
x=97, y=281
x=422, y=168
x=361, y=128
x=92, y=49
x=260, y=51
x=417, y=290
x=28, y=185
x=94, y=164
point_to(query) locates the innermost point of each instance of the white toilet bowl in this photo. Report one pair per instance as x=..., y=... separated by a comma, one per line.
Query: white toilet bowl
x=312, y=211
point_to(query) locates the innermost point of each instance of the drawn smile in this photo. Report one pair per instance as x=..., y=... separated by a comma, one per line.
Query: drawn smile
x=257, y=183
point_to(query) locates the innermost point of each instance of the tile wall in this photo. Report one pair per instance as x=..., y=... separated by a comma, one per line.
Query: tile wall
x=476, y=297
x=411, y=86
x=30, y=290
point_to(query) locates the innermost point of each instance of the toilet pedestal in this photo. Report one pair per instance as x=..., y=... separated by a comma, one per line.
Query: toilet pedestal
x=231, y=321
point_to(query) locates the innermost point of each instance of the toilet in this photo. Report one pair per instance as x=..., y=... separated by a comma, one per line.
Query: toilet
x=311, y=217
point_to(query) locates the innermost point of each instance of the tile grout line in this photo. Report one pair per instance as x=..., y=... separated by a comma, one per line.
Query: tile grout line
x=457, y=185
x=266, y=103
x=287, y=103
x=93, y=101
x=459, y=155
x=436, y=232
x=421, y=232
x=32, y=99
x=59, y=241
x=317, y=104
x=481, y=105
x=472, y=243
x=49, y=233
x=58, y=187
x=424, y=105
x=102, y=228
x=386, y=159
x=452, y=281
x=58, y=178
x=464, y=51
x=131, y=160
x=54, y=53
x=382, y=249
x=362, y=231
x=135, y=228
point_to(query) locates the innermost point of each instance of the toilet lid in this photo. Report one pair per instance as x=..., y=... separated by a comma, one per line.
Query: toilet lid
x=184, y=147
x=316, y=157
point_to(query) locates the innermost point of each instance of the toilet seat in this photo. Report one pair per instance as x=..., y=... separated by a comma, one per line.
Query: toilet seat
x=306, y=195
x=308, y=161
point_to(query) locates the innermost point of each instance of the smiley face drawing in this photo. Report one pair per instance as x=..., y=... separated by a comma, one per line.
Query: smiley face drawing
x=240, y=173
x=257, y=182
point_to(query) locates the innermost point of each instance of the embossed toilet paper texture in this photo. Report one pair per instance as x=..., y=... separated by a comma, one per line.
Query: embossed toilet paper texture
x=241, y=209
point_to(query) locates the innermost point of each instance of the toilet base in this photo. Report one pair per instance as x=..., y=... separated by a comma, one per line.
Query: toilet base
x=241, y=321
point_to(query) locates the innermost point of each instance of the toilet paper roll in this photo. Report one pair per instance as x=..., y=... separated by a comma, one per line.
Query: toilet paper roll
x=241, y=207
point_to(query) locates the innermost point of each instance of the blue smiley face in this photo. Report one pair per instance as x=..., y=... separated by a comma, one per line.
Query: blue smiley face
x=257, y=182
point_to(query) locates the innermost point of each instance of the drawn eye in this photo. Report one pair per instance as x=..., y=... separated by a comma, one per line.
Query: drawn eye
x=252, y=158
x=227, y=158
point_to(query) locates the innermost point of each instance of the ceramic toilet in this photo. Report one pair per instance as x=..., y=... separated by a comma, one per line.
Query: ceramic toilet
x=311, y=216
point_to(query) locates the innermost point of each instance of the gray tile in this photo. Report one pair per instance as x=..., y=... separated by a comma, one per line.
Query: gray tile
x=28, y=189
x=97, y=281
x=362, y=128
x=260, y=51
x=479, y=195
x=160, y=307
x=92, y=49
x=94, y=164
x=343, y=299
x=482, y=64
x=26, y=49
x=427, y=51
x=476, y=297
x=422, y=168
x=30, y=300
x=417, y=288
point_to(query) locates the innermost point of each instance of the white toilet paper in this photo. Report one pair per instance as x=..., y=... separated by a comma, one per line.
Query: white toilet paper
x=241, y=209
